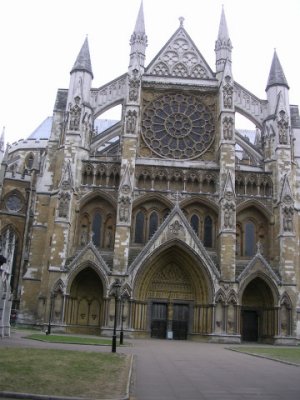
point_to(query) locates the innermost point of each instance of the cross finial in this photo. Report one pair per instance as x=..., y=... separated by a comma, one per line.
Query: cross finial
x=181, y=19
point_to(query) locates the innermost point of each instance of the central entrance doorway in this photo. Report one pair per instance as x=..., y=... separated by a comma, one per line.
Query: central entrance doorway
x=169, y=320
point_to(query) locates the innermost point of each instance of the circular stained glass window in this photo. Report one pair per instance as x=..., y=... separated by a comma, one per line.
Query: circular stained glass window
x=13, y=203
x=178, y=126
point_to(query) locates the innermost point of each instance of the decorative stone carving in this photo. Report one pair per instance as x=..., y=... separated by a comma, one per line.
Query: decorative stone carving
x=175, y=227
x=180, y=59
x=288, y=213
x=134, y=86
x=63, y=205
x=75, y=113
x=283, y=126
x=228, y=128
x=229, y=209
x=131, y=119
x=178, y=126
x=124, y=208
x=228, y=93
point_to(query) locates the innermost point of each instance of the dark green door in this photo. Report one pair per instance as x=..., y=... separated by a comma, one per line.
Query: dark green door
x=159, y=320
x=250, y=326
x=180, y=321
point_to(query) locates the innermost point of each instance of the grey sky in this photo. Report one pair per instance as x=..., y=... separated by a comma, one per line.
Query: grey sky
x=40, y=40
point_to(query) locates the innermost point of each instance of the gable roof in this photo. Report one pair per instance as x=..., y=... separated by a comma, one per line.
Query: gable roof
x=180, y=58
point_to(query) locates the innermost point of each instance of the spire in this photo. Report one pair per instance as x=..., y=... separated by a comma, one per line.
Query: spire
x=223, y=30
x=138, y=41
x=83, y=61
x=223, y=45
x=140, y=23
x=276, y=75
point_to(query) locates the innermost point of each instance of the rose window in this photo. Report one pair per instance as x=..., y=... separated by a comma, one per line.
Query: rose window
x=178, y=126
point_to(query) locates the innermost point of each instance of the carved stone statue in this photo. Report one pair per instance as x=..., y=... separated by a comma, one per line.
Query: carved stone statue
x=227, y=128
x=283, y=125
x=131, y=121
x=227, y=93
x=124, y=204
x=288, y=213
x=75, y=113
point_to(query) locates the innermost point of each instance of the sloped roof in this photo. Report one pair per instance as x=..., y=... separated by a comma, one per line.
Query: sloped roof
x=43, y=130
x=276, y=75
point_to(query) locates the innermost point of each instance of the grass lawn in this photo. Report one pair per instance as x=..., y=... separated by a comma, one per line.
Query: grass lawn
x=69, y=339
x=64, y=373
x=288, y=354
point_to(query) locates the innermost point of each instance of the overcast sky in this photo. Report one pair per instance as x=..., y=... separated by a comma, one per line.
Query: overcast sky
x=40, y=40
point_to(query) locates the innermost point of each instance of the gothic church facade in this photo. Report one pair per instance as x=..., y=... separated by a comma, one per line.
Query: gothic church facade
x=198, y=225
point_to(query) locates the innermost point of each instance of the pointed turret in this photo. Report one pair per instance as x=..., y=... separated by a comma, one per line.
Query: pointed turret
x=81, y=76
x=276, y=75
x=277, y=86
x=223, y=45
x=83, y=60
x=138, y=42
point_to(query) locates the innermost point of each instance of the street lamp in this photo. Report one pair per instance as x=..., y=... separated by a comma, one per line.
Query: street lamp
x=122, y=310
x=115, y=293
x=50, y=313
x=124, y=296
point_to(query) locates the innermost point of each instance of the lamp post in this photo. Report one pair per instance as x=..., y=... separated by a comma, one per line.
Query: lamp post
x=116, y=293
x=122, y=310
x=50, y=314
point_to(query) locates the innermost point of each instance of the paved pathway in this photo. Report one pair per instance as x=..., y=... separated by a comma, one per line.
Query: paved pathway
x=168, y=370
x=185, y=370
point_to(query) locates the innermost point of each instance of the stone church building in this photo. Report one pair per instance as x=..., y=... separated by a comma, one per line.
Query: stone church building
x=189, y=223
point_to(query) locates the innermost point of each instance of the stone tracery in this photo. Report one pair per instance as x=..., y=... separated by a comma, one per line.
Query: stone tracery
x=178, y=126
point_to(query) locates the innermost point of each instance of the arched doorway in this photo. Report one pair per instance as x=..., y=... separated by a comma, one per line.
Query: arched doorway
x=84, y=305
x=258, y=312
x=173, y=295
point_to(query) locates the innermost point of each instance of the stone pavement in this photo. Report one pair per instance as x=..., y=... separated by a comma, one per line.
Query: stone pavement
x=187, y=370
x=184, y=370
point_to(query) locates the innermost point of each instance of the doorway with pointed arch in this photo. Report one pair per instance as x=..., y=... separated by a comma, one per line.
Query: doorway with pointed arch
x=85, y=303
x=175, y=291
x=258, y=311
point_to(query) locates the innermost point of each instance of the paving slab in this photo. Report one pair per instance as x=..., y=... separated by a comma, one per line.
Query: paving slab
x=186, y=370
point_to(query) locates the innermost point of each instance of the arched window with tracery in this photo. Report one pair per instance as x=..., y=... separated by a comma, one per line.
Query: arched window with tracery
x=29, y=161
x=139, y=227
x=153, y=223
x=249, y=238
x=96, y=228
x=208, y=231
x=195, y=223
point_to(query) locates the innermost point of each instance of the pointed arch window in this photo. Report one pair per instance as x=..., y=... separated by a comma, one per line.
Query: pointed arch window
x=195, y=223
x=139, y=227
x=153, y=223
x=96, y=228
x=249, y=238
x=208, y=231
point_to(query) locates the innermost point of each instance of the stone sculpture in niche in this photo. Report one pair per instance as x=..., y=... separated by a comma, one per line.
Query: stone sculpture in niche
x=75, y=113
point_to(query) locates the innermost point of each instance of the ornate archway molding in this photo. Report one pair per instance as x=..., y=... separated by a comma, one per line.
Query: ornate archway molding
x=175, y=233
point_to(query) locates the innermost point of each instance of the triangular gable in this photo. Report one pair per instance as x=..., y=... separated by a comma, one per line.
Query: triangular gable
x=258, y=264
x=229, y=187
x=180, y=58
x=66, y=182
x=286, y=195
x=177, y=227
x=88, y=253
